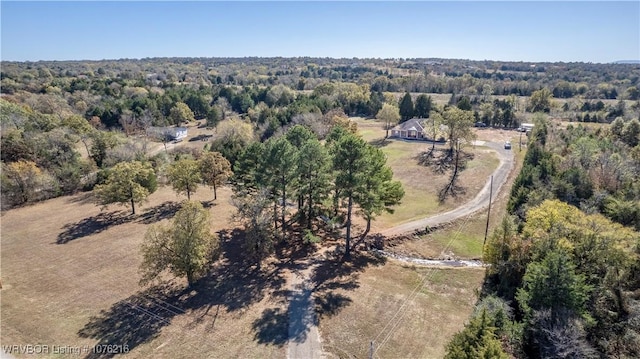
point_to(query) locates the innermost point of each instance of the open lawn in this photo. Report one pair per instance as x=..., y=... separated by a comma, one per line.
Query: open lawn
x=463, y=238
x=69, y=274
x=408, y=312
x=69, y=277
x=421, y=184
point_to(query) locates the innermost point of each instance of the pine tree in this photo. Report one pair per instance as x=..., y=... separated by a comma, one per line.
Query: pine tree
x=379, y=192
x=476, y=340
x=349, y=163
x=313, y=179
x=423, y=106
x=406, y=107
x=279, y=171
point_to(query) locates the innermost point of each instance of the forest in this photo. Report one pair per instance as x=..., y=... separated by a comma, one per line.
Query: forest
x=565, y=262
x=49, y=107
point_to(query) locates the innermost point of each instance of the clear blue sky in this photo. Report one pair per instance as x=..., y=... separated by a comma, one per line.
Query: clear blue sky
x=514, y=30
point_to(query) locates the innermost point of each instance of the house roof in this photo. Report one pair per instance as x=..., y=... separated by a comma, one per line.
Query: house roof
x=414, y=124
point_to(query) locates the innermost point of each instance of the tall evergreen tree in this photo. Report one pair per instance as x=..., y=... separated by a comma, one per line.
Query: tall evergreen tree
x=314, y=179
x=279, y=172
x=406, y=107
x=423, y=106
x=379, y=192
x=349, y=162
x=248, y=169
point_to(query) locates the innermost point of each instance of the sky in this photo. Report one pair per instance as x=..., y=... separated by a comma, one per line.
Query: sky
x=480, y=30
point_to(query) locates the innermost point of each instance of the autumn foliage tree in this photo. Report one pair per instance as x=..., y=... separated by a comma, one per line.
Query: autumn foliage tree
x=184, y=248
x=215, y=170
x=22, y=180
x=389, y=114
x=181, y=113
x=184, y=176
x=127, y=182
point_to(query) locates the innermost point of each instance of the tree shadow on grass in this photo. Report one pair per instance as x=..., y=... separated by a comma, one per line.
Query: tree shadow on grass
x=312, y=299
x=83, y=198
x=91, y=225
x=132, y=321
x=162, y=211
x=232, y=283
x=334, y=275
x=380, y=142
x=272, y=327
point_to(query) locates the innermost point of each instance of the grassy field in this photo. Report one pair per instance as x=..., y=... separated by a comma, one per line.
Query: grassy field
x=69, y=274
x=412, y=312
x=409, y=312
x=420, y=183
x=69, y=277
x=464, y=237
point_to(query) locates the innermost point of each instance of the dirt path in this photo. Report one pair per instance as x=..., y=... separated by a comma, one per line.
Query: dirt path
x=480, y=201
x=304, y=338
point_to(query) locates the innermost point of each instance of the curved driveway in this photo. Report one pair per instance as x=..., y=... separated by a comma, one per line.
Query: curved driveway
x=480, y=201
x=304, y=339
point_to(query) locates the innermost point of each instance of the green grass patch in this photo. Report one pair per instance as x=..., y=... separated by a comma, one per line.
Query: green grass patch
x=416, y=204
x=464, y=239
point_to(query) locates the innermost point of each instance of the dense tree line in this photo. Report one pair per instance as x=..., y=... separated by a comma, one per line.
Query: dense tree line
x=47, y=107
x=565, y=262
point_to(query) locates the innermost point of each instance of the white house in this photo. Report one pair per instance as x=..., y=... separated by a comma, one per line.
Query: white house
x=168, y=133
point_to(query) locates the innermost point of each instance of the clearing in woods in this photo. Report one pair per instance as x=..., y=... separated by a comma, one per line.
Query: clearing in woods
x=70, y=276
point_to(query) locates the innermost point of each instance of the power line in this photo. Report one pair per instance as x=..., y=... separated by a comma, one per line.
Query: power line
x=413, y=294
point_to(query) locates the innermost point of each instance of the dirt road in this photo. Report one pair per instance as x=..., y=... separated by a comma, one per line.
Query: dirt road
x=304, y=338
x=480, y=201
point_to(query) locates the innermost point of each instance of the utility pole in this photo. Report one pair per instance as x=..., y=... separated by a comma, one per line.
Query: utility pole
x=520, y=141
x=486, y=230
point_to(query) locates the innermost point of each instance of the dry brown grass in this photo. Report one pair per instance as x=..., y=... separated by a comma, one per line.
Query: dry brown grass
x=464, y=238
x=381, y=307
x=69, y=276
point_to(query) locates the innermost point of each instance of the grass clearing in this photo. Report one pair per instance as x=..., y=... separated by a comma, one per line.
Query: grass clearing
x=69, y=276
x=464, y=238
x=84, y=291
x=420, y=183
x=422, y=327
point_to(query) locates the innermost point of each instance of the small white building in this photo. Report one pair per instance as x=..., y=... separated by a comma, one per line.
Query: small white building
x=168, y=133
x=526, y=127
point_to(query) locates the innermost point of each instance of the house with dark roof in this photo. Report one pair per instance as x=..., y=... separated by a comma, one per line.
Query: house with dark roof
x=412, y=129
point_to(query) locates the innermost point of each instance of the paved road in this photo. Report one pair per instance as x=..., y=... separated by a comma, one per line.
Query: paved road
x=480, y=201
